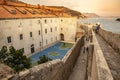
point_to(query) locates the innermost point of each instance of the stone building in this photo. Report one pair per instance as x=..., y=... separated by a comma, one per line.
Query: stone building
x=34, y=27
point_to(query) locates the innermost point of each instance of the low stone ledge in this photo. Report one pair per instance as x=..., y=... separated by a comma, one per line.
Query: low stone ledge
x=103, y=71
x=45, y=71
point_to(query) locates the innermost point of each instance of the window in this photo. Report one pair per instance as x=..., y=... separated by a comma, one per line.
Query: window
x=40, y=43
x=51, y=20
x=30, y=34
x=61, y=28
x=21, y=36
x=61, y=20
x=51, y=29
x=46, y=31
x=45, y=21
x=32, y=48
x=38, y=21
x=23, y=12
x=9, y=39
x=39, y=32
x=13, y=12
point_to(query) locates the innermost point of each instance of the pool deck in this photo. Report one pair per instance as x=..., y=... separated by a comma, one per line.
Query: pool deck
x=68, y=42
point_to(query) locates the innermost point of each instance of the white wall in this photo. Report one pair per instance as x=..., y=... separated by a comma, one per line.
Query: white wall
x=69, y=28
x=15, y=27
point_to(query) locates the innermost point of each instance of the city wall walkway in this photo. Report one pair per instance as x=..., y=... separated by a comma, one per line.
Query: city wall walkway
x=80, y=70
x=112, y=58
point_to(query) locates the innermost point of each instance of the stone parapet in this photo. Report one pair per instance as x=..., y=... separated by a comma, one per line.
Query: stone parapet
x=113, y=39
x=100, y=69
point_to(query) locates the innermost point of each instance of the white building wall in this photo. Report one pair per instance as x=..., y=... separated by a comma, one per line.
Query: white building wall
x=68, y=27
x=15, y=27
x=50, y=36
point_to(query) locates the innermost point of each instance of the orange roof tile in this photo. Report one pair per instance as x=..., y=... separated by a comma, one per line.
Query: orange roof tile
x=22, y=10
x=15, y=4
x=2, y=2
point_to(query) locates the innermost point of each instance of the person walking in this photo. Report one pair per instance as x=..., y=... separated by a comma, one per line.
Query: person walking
x=97, y=27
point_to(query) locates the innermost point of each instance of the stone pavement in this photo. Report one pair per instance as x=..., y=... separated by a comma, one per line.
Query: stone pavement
x=112, y=58
x=79, y=71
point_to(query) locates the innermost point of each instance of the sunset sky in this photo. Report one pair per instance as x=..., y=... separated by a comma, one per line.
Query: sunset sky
x=101, y=7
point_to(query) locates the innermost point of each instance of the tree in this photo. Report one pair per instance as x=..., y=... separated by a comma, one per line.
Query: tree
x=14, y=58
x=43, y=59
x=3, y=54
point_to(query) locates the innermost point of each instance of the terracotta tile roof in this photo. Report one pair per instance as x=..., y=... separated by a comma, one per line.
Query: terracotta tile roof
x=2, y=2
x=59, y=11
x=21, y=10
x=15, y=4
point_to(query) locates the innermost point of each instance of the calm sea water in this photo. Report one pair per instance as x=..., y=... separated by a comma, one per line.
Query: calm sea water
x=107, y=23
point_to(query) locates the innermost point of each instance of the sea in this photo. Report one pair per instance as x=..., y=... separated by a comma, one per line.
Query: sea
x=109, y=24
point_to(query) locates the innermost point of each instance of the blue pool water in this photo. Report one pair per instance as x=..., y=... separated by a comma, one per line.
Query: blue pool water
x=54, y=48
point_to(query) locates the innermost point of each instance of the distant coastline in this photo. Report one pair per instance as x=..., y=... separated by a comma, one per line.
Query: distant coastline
x=118, y=19
x=91, y=15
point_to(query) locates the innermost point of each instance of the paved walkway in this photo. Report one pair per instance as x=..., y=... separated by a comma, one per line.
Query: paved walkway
x=112, y=58
x=79, y=71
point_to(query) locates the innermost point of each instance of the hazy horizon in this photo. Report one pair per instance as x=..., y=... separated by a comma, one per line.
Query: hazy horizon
x=100, y=7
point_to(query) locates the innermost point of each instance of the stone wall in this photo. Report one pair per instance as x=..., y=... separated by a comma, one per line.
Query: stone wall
x=99, y=68
x=112, y=38
x=56, y=69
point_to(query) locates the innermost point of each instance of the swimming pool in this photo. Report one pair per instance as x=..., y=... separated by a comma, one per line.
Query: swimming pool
x=56, y=51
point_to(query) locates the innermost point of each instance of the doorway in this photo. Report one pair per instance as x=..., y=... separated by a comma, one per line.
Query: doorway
x=62, y=36
x=32, y=48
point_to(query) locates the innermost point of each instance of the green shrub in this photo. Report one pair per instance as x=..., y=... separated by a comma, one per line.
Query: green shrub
x=43, y=59
x=14, y=58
